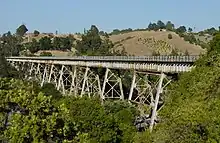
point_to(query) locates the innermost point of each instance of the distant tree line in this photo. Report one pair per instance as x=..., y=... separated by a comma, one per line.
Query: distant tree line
x=93, y=42
x=48, y=43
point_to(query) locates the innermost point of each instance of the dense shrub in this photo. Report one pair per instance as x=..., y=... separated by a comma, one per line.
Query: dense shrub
x=46, y=54
x=170, y=36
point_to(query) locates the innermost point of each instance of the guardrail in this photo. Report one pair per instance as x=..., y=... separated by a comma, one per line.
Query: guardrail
x=118, y=58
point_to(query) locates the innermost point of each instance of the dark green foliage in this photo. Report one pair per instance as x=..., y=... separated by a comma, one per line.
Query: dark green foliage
x=181, y=29
x=21, y=30
x=102, y=33
x=117, y=31
x=190, y=38
x=203, y=45
x=5, y=69
x=46, y=54
x=63, y=43
x=111, y=123
x=211, y=31
x=190, y=29
x=215, y=44
x=36, y=33
x=126, y=30
x=33, y=46
x=44, y=115
x=170, y=26
x=153, y=26
x=161, y=25
x=45, y=43
x=170, y=36
x=49, y=90
x=92, y=44
x=192, y=107
x=35, y=119
x=11, y=45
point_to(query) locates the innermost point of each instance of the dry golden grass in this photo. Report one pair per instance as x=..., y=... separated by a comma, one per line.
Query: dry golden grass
x=141, y=43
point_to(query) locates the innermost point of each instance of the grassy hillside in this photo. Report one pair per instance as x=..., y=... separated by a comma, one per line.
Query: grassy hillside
x=145, y=42
x=140, y=43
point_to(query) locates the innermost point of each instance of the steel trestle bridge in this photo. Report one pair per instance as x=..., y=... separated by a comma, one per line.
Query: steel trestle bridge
x=80, y=76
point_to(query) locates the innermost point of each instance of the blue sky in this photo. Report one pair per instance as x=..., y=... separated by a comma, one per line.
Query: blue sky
x=70, y=16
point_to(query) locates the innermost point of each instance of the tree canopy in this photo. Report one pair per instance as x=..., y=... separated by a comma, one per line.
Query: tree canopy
x=30, y=113
x=93, y=45
x=21, y=30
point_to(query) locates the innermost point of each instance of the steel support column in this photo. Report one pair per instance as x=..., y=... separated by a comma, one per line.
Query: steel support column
x=159, y=91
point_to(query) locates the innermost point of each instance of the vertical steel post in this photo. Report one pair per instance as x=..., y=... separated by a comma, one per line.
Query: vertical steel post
x=159, y=90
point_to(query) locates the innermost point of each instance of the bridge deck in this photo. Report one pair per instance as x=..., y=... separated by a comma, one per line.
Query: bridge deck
x=179, y=59
x=174, y=64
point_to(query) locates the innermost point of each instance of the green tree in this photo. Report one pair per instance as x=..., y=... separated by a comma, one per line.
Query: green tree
x=67, y=43
x=181, y=29
x=45, y=43
x=215, y=44
x=170, y=26
x=153, y=26
x=109, y=123
x=161, y=25
x=57, y=43
x=211, y=31
x=21, y=30
x=11, y=44
x=102, y=33
x=190, y=29
x=92, y=44
x=33, y=46
x=35, y=116
x=191, y=38
x=115, y=32
x=36, y=33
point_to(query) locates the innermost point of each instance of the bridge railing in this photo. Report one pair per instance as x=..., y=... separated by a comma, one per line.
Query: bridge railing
x=120, y=58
